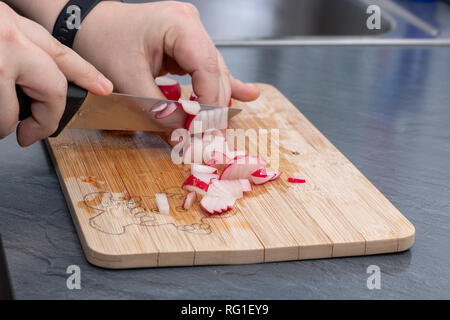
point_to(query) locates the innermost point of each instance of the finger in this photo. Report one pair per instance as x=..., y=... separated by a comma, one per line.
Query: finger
x=49, y=96
x=193, y=50
x=9, y=108
x=74, y=67
x=242, y=91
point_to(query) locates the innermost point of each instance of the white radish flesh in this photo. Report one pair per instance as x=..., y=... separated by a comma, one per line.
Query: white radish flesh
x=158, y=108
x=242, y=168
x=171, y=108
x=162, y=203
x=199, y=168
x=189, y=200
x=190, y=107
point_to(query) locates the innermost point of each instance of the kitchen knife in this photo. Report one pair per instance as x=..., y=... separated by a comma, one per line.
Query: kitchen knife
x=114, y=112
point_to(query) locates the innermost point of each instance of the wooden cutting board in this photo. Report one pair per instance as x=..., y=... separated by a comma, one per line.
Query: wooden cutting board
x=110, y=178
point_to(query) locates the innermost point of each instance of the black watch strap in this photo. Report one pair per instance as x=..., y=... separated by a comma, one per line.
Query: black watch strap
x=70, y=18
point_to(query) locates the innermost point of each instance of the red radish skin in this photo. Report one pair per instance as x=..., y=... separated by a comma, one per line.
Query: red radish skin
x=171, y=108
x=189, y=200
x=261, y=173
x=230, y=103
x=296, y=180
x=194, y=184
x=169, y=87
x=193, y=97
x=190, y=107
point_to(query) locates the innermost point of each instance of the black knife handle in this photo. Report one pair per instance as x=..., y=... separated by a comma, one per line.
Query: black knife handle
x=75, y=98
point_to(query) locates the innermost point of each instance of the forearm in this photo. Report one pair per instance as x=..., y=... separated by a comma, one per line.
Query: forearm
x=43, y=12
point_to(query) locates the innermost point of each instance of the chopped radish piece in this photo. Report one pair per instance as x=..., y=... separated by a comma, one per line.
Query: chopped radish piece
x=169, y=87
x=242, y=168
x=158, y=108
x=215, y=205
x=193, y=97
x=162, y=203
x=246, y=185
x=190, y=107
x=261, y=176
x=199, y=168
x=171, y=108
x=296, y=180
x=275, y=176
x=189, y=200
x=216, y=118
x=260, y=173
x=230, y=103
x=193, y=184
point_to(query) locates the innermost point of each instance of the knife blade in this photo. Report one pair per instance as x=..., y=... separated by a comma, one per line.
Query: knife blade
x=114, y=112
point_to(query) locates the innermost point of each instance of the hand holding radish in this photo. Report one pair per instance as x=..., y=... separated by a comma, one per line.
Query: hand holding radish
x=135, y=43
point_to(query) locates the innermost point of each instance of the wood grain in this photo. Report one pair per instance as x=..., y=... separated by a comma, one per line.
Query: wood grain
x=109, y=180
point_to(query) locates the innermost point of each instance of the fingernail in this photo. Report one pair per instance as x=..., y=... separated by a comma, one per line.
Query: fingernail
x=106, y=85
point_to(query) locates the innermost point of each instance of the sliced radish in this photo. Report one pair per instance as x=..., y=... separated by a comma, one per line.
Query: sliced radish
x=242, y=168
x=189, y=200
x=199, y=168
x=296, y=180
x=158, y=108
x=217, y=205
x=162, y=203
x=171, y=108
x=230, y=103
x=190, y=107
x=226, y=188
x=246, y=185
x=276, y=175
x=194, y=184
x=169, y=87
x=193, y=97
x=260, y=173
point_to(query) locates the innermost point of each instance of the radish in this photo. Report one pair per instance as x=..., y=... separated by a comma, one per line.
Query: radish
x=190, y=107
x=199, y=183
x=192, y=184
x=296, y=180
x=214, y=205
x=242, y=168
x=159, y=107
x=193, y=96
x=189, y=200
x=193, y=151
x=234, y=154
x=246, y=185
x=199, y=168
x=171, y=108
x=230, y=103
x=276, y=175
x=169, y=87
x=162, y=203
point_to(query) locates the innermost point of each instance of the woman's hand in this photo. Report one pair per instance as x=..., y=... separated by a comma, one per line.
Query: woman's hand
x=134, y=43
x=33, y=59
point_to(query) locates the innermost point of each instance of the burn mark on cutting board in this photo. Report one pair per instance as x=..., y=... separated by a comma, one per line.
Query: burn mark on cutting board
x=114, y=213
